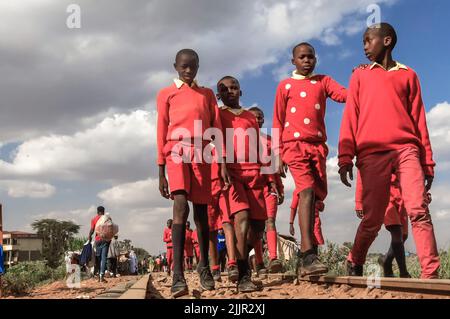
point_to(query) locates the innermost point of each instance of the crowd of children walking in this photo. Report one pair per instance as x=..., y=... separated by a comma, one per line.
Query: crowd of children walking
x=218, y=159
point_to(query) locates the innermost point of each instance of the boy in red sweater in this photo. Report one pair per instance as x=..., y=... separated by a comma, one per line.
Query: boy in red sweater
x=299, y=114
x=244, y=200
x=185, y=112
x=167, y=238
x=384, y=126
x=272, y=202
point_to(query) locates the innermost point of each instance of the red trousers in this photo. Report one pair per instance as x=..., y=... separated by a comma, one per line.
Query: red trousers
x=376, y=170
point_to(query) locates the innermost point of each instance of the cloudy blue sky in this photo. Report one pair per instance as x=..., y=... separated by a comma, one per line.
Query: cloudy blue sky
x=78, y=105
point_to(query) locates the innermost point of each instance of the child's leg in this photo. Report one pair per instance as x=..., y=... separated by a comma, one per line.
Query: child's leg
x=411, y=178
x=397, y=249
x=259, y=253
x=201, y=222
x=306, y=219
x=213, y=253
x=230, y=242
x=271, y=238
x=241, y=227
x=180, y=215
x=376, y=171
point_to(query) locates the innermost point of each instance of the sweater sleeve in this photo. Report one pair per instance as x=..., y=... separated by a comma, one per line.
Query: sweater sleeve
x=217, y=123
x=358, y=192
x=279, y=115
x=335, y=91
x=162, y=125
x=349, y=125
x=418, y=114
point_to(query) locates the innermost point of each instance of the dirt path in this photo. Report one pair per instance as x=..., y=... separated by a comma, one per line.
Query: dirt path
x=90, y=288
x=276, y=288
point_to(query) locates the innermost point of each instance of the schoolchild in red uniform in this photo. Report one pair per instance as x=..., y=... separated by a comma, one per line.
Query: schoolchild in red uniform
x=272, y=202
x=384, y=126
x=243, y=201
x=167, y=238
x=299, y=114
x=185, y=111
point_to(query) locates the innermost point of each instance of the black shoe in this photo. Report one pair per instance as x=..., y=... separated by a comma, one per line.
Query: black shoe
x=275, y=266
x=206, y=278
x=233, y=273
x=311, y=265
x=387, y=269
x=179, y=287
x=216, y=275
x=406, y=275
x=246, y=285
x=354, y=270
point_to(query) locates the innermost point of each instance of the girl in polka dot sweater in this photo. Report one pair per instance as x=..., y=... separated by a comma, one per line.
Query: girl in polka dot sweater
x=299, y=114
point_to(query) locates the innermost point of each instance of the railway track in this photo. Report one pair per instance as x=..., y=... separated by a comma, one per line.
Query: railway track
x=287, y=286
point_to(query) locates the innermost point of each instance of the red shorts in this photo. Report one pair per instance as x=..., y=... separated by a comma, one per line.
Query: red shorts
x=194, y=178
x=396, y=214
x=271, y=203
x=215, y=216
x=308, y=166
x=245, y=193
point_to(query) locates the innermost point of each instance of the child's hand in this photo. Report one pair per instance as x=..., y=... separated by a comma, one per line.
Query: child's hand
x=226, y=178
x=428, y=182
x=343, y=171
x=282, y=169
x=359, y=214
x=164, y=187
x=291, y=229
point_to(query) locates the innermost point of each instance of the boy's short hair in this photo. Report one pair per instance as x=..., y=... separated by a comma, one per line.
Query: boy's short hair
x=303, y=44
x=255, y=108
x=228, y=77
x=186, y=51
x=100, y=209
x=386, y=30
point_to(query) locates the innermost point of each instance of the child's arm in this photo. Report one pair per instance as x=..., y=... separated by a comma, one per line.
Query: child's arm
x=294, y=206
x=335, y=91
x=418, y=114
x=279, y=115
x=161, y=139
x=217, y=123
x=349, y=127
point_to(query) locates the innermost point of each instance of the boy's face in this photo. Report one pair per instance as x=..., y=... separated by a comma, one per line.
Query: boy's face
x=304, y=59
x=187, y=67
x=375, y=45
x=229, y=92
x=259, y=117
x=169, y=223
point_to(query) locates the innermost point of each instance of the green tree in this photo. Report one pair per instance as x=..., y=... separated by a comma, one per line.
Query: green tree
x=56, y=236
x=77, y=243
x=141, y=253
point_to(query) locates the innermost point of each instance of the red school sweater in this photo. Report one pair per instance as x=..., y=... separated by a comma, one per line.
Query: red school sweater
x=384, y=112
x=178, y=108
x=300, y=105
x=247, y=148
